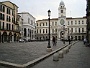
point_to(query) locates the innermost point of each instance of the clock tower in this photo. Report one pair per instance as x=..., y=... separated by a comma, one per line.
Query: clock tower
x=61, y=19
x=61, y=13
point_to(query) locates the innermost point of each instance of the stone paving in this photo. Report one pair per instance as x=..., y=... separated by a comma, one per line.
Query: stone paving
x=21, y=53
x=78, y=57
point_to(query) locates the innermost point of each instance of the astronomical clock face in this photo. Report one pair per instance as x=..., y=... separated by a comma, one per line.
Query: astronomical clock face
x=62, y=22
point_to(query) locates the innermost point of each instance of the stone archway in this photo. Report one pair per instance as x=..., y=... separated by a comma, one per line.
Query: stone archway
x=4, y=37
x=25, y=32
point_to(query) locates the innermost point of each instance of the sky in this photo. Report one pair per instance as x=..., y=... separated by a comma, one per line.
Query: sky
x=39, y=8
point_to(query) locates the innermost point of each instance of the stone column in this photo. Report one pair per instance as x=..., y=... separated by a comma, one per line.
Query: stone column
x=26, y=33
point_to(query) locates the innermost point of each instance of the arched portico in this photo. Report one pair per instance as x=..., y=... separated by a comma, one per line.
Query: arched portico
x=4, y=37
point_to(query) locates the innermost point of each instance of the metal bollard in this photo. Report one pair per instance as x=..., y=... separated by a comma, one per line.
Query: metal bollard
x=69, y=46
x=65, y=50
x=61, y=54
x=56, y=57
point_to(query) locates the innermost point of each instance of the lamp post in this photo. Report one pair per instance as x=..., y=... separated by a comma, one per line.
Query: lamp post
x=49, y=13
x=49, y=47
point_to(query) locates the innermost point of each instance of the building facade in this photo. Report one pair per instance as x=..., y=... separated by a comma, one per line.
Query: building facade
x=61, y=27
x=20, y=22
x=28, y=27
x=88, y=21
x=8, y=22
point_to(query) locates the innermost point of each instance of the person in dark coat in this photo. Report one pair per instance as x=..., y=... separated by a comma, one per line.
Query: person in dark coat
x=54, y=41
x=69, y=40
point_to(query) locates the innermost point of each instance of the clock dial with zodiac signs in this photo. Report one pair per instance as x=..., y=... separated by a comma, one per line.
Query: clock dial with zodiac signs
x=62, y=22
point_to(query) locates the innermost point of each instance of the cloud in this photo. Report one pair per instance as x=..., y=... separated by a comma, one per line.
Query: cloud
x=74, y=8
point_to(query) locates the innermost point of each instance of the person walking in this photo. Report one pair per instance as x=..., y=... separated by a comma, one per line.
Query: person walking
x=54, y=41
x=85, y=41
x=69, y=40
x=63, y=41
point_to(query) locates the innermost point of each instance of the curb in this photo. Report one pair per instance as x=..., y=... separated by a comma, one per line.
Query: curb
x=31, y=63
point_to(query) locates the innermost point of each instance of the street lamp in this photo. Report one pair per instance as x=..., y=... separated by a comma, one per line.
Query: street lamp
x=49, y=47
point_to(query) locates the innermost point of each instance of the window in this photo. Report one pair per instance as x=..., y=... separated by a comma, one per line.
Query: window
x=12, y=20
x=9, y=27
x=37, y=24
x=68, y=22
x=46, y=37
x=40, y=30
x=9, y=19
x=61, y=6
x=43, y=30
x=46, y=23
x=7, y=10
x=79, y=30
x=68, y=30
x=46, y=30
x=3, y=8
x=43, y=24
x=71, y=30
x=55, y=30
x=12, y=12
x=37, y=30
x=78, y=22
x=61, y=11
x=75, y=29
x=12, y=27
x=52, y=30
x=3, y=25
x=71, y=22
x=75, y=22
x=82, y=22
x=82, y=29
x=55, y=23
x=0, y=7
x=3, y=17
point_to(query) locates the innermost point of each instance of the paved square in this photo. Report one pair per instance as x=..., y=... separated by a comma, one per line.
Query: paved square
x=21, y=53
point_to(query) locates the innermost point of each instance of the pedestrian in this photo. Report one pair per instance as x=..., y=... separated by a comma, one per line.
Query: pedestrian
x=63, y=41
x=85, y=41
x=54, y=41
x=69, y=40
